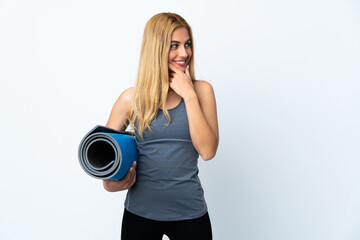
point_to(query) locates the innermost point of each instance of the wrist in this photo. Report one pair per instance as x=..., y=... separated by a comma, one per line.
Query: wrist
x=191, y=95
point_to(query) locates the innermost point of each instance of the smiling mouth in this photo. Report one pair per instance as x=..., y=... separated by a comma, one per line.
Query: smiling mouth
x=180, y=62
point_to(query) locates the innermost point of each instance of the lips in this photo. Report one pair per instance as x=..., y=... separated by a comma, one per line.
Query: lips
x=180, y=62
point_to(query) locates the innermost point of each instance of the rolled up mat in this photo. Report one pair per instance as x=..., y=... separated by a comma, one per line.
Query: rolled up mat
x=105, y=153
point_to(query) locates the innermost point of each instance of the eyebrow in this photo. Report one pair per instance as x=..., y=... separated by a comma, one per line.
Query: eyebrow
x=179, y=42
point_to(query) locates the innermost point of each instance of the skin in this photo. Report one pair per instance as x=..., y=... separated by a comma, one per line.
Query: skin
x=199, y=101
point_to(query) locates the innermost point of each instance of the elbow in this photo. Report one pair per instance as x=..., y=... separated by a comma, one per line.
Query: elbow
x=208, y=156
x=209, y=153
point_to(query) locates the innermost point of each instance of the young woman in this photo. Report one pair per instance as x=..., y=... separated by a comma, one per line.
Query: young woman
x=175, y=121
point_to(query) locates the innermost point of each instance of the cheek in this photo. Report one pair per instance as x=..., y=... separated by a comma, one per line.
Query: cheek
x=189, y=53
x=171, y=55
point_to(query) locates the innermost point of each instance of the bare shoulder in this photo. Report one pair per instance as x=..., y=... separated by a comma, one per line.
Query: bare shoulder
x=125, y=98
x=201, y=84
x=203, y=89
x=120, y=110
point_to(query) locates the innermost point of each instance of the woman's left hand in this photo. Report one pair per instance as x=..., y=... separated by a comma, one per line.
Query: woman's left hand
x=180, y=81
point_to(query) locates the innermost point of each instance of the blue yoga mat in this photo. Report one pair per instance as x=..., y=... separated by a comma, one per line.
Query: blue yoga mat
x=105, y=153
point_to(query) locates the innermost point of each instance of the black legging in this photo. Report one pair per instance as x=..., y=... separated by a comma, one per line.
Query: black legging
x=135, y=227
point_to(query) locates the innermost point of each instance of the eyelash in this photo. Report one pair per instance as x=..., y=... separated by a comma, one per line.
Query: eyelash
x=176, y=45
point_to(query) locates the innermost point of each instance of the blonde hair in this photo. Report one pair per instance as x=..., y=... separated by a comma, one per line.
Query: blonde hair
x=152, y=82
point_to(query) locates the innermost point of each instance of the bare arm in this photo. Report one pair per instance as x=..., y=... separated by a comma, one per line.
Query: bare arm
x=117, y=121
x=201, y=111
x=202, y=116
x=120, y=109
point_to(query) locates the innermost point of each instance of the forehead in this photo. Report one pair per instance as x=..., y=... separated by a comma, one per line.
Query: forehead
x=180, y=35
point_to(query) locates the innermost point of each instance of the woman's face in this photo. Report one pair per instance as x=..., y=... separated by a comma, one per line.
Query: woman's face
x=180, y=48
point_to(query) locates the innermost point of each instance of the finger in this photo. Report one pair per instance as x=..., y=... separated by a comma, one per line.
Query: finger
x=133, y=181
x=187, y=71
x=129, y=178
x=132, y=170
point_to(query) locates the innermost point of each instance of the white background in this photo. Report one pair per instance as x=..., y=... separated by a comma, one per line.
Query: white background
x=286, y=78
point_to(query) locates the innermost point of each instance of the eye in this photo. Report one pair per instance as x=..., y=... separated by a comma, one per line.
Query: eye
x=188, y=44
x=173, y=46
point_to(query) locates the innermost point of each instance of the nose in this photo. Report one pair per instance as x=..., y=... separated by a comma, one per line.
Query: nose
x=182, y=52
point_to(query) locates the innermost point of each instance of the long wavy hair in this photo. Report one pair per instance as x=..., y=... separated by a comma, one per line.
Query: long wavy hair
x=152, y=82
